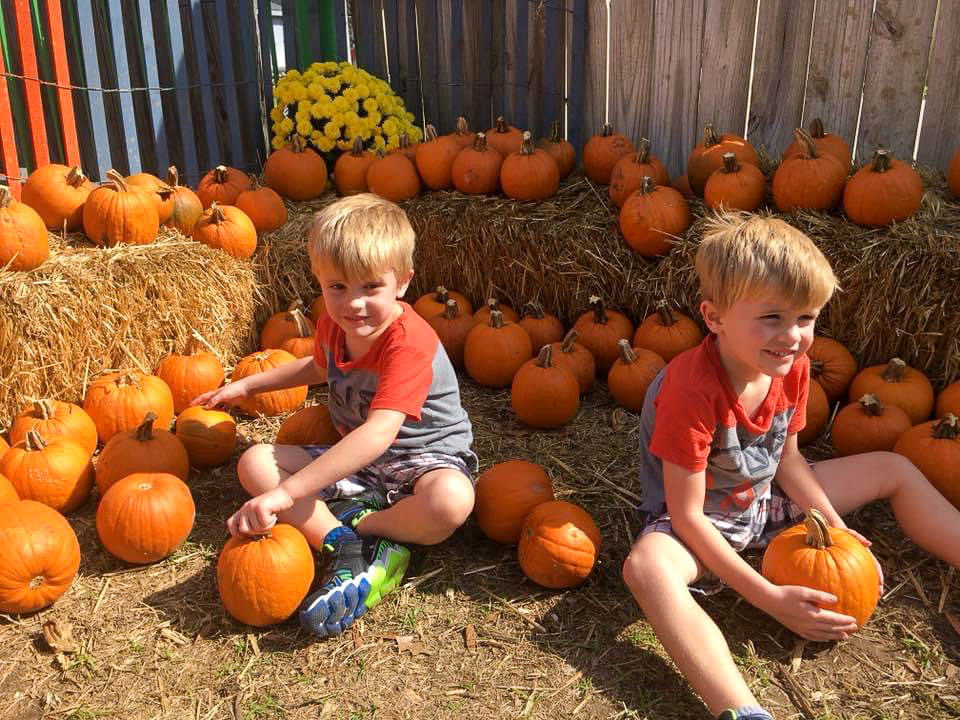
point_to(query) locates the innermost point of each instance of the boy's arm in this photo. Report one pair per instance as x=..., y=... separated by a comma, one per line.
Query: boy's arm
x=797, y=480
x=303, y=371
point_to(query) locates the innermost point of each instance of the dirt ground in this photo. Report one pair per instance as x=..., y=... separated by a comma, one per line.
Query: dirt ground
x=467, y=635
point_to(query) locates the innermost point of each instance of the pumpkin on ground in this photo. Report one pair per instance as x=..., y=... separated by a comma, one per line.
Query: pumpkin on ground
x=826, y=144
x=599, y=330
x=296, y=171
x=651, y=216
x=505, y=493
x=735, y=186
x=158, y=190
x=814, y=555
x=476, y=169
x=56, y=472
x=39, y=556
x=350, y=169
x=808, y=179
x=896, y=383
x=52, y=418
x=934, y=447
x=263, y=206
x=209, y=436
x=8, y=493
x=23, y=236
x=145, y=516
x=452, y=327
x=504, y=138
x=528, y=173
x=542, y=327
x=144, y=449
x=222, y=185
x=818, y=413
x=832, y=365
x=482, y=315
x=559, y=543
x=667, y=332
x=602, y=152
x=308, y=426
x=883, y=191
x=434, y=159
x=430, y=304
x=631, y=375
x=948, y=400
x=708, y=156
x=187, y=206
x=493, y=353
x=577, y=358
x=226, y=228
x=262, y=579
x=544, y=395
x=393, y=177
x=273, y=402
x=560, y=149
x=953, y=175
x=120, y=400
x=191, y=374
x=867, y=426
x=628, y=173
x=57, y=193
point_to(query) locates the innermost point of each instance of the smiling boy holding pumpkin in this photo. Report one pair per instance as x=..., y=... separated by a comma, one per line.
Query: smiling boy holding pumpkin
x=720, y=468
x=402, y=470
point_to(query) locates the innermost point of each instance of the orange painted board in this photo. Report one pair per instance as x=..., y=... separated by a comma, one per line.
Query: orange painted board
x=68, y=122
x=8, y=143
x=28, y=61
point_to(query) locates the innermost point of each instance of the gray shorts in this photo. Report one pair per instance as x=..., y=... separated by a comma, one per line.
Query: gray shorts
x=393, y=477
x=769, y=516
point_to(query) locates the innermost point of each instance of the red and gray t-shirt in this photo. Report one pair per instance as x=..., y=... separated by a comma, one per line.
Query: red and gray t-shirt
x=406, y=370
x=692, y=418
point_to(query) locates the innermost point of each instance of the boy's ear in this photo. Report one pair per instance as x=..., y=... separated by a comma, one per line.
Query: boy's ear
x=403, y=283
x=711, y=316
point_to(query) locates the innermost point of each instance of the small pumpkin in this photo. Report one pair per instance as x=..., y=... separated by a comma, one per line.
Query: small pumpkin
x=302, y=343
x=461, y=133
x=191, y=374
x=560, y=149
x=934, y=447
x=57, y=193
x=393, y=177
x=8, y=493
x=529, y=174
x=543, y=328
x=628, y=173
x=708, y=156
x=145, y=449
x=350, y=169
x=226, y=228
x=262, y=579
x=308, y=426
x=867, y=426
x=493, y=353
x=826, y=144
x=222, y=185
x=23, y=236
x=602, y=152
x=809, y=179
x=434, y=159
x=896, y=384
x=631, y=375
x=600, y=330
x=575, y=356
x=40, y=558
x=187, y=206
x=145, y=516
x=282, y=326
x=504, y=138
x=273, y=402
x=832, y=365
x=476, y=170
x=56, y=472
x=209, y=436
x=452, y=327
x=430, y=304
x=405, y=147
x=505, y=493
x=482, y=315
x=296, y=171
x=157, y=189
x=818, y=413
x=544, y=395
x=651, y=215
x=52, y=418
x=735, y=186
x=667, y=332
x=559, y=544
x=948, y=401
x=116, y=213
x=814, y=555
x=263, y=206
x=118, y=401
x=883, y=191
x=953, y=175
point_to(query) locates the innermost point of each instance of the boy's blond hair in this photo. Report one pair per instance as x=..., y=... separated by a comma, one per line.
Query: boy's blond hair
x=742, y=254
x=362, y=235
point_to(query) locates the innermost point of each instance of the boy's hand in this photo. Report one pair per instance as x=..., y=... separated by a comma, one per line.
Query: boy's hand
x=795, y=607
x=259, y=514
x=229, y=394
x=867, y=544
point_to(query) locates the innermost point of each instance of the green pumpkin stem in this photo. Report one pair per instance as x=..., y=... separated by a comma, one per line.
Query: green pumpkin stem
x=730, y=164
x=626, y=352
x=534, y=310
x=545, y=357
x=34, y=441
x=569, y=340
x=881, y=161
x=806, y=140
x=496, y=319
x=666, y=314
x=871, y=405
x=816, y=128
x=76, y=178
x=895, y=369
x=599, y=314
x=818, y=530
x=5, y=196
x=144, y=431
x=948, y=428
x=119, y=183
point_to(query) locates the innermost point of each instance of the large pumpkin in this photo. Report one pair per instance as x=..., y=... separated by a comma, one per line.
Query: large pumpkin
x=825, y=143
x=544, y=395
x=452, y=327
x=559, y=543
x=651, y=216
x=505, y=493
x=528, y=173
x=808, y=179
x=119, y=401
x=393, y=177
x=482, y=315
x=599, y=330
x=735, y=186
x=222, y=185
x=159, y=191
x=56, y=472
x=628, y=173
x=896, y=384
x=186, y=204
x=708, y=156
x=504, y=138
x=578, y=358
x=262, y=579
x=296, y=171
x=39, y=556
x=145, y=516
x=493, y=353
x=814, y=555
x=57, y=193
x=602, y=152
x=144, y=449
x=226, y=228
x=867, y=426
x=476, y=169
x=883, y=191
x=116, y=213
x=52, y=418
x=631, y=375
x=350, y=169
x=308, y=426
x=209, y=436
x=8, y=493
x=23, y=236
x=263, y=206
x=818, y=413
x=667, y=332
x=560, y=149
x=191, y=374
x=832, y=365
x=934, y=447
x=273, y=402
x=434, y=159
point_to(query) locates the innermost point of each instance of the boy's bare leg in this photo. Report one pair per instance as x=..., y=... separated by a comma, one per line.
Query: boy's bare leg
x=442, y=500
x=922, y=512
x=657, y=572
x=264, y=467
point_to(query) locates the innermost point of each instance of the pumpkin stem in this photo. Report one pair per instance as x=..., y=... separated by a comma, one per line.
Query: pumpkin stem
x=430, y=133
x=144, y=431
x=480, y=143
x=298, y=145
x=816, y=128
x=599, y=314
x=34, y=441
x=545, y=356
x=462, y=127
x=165, y=191
x=118, y=180
x=881, y=161
x=220, y=172
x=451, y=309
x=5, y=196
x=526, y=145
x=948, y=428
x=710, y=136
x=646, y=185
x=76, y=178
x=173, y=176
x=36, y=581
x=403, y=143
x=666, y=314
x=606, y=130
x=533, y=309
x=303, y=328
x=818, y=530
x=895, y=369
x=496, y=319
x=493, y=304
x=643, y=152
x=555, y=132
x=44, y=408
x=626, y=352
x=127, y=378
x=295, y=304
x=730, y=163
x=192, y=346
x=502, y=125
x=441, y=295
x=216, y=214
x=569, y=340
x=357, y=149
x=807, y=141
x=871, y=405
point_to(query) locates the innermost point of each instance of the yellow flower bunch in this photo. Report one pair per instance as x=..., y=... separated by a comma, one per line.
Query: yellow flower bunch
x=330, y=104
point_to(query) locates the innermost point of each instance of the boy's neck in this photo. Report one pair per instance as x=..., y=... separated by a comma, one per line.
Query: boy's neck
x=356, y=348
x=745, y=381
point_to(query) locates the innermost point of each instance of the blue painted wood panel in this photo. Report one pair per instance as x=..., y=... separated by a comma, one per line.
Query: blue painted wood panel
x=228, y=78
x=189, y=169
x=206, y=91
x=153, y=82
x=91, y=69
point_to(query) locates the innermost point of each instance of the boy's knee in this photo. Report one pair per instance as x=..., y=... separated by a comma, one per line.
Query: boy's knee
x=645, y=570
x=450, y=499
x=254, y=469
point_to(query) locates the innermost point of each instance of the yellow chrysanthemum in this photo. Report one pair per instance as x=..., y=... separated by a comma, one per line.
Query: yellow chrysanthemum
x=370, y=105
x=378, y=142
x=304, y=128
x=278, y=142
x=317, y=111
x=325, y=144
x=276, y=114
x=331, y=130
x=350, y=94
x=341, y=103
x=344, y=144
x=286, y=125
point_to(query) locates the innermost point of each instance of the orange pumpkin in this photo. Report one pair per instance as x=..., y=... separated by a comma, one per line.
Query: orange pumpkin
x=262, y=579
x=826, y=144
x=282, y=326
x=222, y=185
x=953, y=175
x=145, y=516
x=832, y=365
x=187, y=206
x=119, y=401
x=559, y=543
x=430, y=304
x=808, y=179
x=452, y=327
x=393, y=177
x=434, y=159
x=493, y=353
x=226, y=228
x=273, y=402
x=159, y=191
x=735, y=186
x=504, y=138
x=599, y=330
x=209, y=436
x=883, y=191
x=296, y=171
x=602, y=152
x=667, y=332
x=542, y=327
x=57, y=193
x=190, y=375
x=682, y=186
x=23, y=236
x=948, y=401
x=263, y=206
x=476, y=169
x=628, y=173
x=405, y=147
x=651, y=215
x=144, y=449
x=52, y=418
x=56, y=472
x=40, y=558
x=318, y=309
x=461, y=133
x=560, y=149
x=544, y=395
x=896, y=384
x=302, y=343
x=575, y=356
x=308, y=426
x=350, y=169
x=934, y=447
x=631, y=375
x=818, y=413
x=3, y=446
x=528, y=173
x=867, y=426
x=505, y=493
x=482, y=315
x=8, y=493
x=708, y=156
x=814, y=555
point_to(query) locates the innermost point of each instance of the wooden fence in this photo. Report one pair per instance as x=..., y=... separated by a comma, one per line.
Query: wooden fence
x=140, y=84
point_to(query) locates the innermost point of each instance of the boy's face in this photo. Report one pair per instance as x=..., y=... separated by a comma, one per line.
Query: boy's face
x=362, y=307
x=761, y=334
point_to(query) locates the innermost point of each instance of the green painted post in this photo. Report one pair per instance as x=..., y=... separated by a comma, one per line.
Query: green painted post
x=44, y=60
x=17, y=102
x=327, y=37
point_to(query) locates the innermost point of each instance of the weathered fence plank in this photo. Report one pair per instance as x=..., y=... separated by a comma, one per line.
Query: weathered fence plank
x=153, y=89
x=576, y=69
x=91, y=69
x=214, y=152
x=408, y=86
x=427, y=30
x=594, y=112
x=224, y=59
x=364, y=22
x=478, y=65
x=188, y=164
x=552, y=98
x=725, y=64
x=940, y=134
x=31, y=83
x=631, y=62
x=449, y=49
x=127, y=114
x=291, y=57
x=521, y=66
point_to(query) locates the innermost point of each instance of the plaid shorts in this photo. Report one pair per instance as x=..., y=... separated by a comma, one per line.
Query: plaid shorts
x=393, y=476
x=768, y=517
